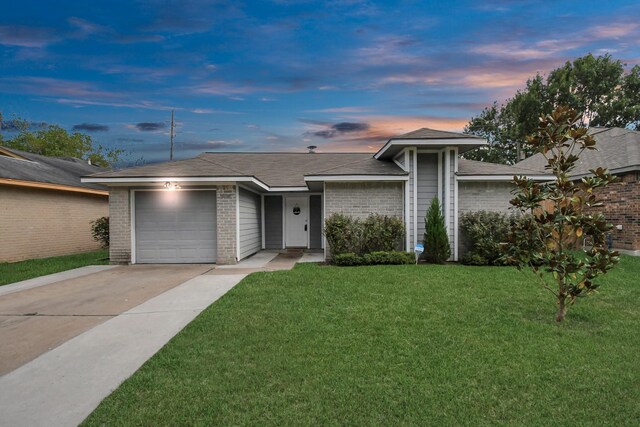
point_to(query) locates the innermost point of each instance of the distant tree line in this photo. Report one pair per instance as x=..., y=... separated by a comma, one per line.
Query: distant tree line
x=598, y=86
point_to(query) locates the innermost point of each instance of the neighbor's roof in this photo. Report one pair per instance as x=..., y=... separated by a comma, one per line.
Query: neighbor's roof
x=618, y=149
x=474, y=167
x=272, y=169
x=18, y=166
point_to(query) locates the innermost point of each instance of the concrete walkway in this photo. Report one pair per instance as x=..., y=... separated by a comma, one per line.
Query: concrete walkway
x=62, y=387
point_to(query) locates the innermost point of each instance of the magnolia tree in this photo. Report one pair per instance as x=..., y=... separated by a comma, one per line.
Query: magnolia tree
x=561, y=213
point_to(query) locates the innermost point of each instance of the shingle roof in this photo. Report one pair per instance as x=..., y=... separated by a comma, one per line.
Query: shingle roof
x=52, y=170
x=617, y=149
x=474, y=167
x=426, y=133
x=274, y=169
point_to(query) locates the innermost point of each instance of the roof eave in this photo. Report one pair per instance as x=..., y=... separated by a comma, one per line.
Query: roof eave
x=393, y=146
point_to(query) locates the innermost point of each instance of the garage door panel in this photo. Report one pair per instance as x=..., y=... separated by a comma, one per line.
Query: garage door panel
x=176, y=227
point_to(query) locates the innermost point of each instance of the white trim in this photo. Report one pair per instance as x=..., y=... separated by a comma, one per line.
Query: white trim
x=430, y=151
x=134, y=180
x=429, y=142
x=440, y=174
x=415, y=196
x=447, y=182
x=501, y=177
x=237, y=223
x=264, y=239
x=132, y=214
x=455, y=208
x=400, y=165
x=341, y=178
x=407, y=214
x=287, y=189
x=244, y=187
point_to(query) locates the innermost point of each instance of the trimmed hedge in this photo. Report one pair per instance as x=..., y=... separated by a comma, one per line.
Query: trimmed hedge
x=485, y=233
x=374, y=258
x=376, y=233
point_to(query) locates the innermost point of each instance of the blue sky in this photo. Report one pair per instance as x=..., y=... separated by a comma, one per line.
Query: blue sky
x=284, y=74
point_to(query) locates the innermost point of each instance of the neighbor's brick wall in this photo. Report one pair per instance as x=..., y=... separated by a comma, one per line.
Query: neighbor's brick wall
x=119, y=225
x=622, y=207
x=227, y=228
x=38, y=223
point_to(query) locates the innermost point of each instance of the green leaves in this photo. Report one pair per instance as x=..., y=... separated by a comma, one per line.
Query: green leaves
x=561, y=213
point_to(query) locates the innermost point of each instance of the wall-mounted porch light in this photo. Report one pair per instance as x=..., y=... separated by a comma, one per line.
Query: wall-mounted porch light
x=172, y=186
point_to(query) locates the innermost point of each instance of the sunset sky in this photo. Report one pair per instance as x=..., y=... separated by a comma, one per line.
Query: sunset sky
x=284, y=74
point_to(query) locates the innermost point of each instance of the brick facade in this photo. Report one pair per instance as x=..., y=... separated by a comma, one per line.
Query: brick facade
x=120, y=224
x=476, y=196
x=622, y=207
x=226, y=199
x=359, y=199
x=38, y=223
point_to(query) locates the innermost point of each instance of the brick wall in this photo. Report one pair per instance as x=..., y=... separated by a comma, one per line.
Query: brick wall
x=227, y=227
x=119, y=225
x=484, y=196
x=38, y=223
x=622, y=207
x=360, y=199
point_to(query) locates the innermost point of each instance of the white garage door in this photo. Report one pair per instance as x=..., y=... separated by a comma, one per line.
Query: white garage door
x=175, y=226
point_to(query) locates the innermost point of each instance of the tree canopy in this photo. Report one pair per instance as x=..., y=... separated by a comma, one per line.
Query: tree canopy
x=57, y=142
x=598, y=86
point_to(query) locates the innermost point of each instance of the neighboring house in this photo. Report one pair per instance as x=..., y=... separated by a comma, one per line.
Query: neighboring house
x=223, y=207
x=44, y=208
x=618, y=150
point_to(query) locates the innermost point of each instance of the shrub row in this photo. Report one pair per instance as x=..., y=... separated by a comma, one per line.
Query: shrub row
x=376, y=233
x=374, y=258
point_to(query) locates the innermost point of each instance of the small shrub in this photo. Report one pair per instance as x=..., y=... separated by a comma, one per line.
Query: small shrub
x=484, y=233
x=382, y=233
x=436, y=240
x=348, y=259
x=346, y=234
x=343, y=233
x=100, y=231
x=374, y=258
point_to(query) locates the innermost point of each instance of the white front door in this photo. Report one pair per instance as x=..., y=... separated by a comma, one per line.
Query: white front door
x=296, y=220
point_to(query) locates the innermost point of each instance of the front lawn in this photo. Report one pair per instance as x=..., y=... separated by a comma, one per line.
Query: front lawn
x=23, y=270
x=421, y=345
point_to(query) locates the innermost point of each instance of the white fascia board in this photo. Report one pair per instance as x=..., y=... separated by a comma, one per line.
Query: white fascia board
x=199, y=179
x=341, y=178
x=286, y=189
x=502, y=177
x=430, y=142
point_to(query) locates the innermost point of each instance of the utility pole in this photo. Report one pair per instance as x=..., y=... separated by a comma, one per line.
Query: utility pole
x=171, y=150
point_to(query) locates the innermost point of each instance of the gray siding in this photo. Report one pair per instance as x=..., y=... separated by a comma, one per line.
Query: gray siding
x=273, y=222
x=250, y=223
x=315, y=222
x=451, y=200
x=427, y=187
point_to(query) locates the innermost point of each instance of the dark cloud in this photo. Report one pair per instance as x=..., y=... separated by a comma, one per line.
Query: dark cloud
x=150, y=126
x=341, y=128
x=91, y=127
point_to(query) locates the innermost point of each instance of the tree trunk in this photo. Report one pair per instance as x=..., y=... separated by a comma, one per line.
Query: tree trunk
x=562, y=309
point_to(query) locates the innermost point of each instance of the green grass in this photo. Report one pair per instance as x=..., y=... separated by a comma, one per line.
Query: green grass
x=23, y=270
x=402, y=345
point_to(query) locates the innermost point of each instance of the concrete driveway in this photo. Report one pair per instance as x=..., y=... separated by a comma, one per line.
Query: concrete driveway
x=34, y=321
